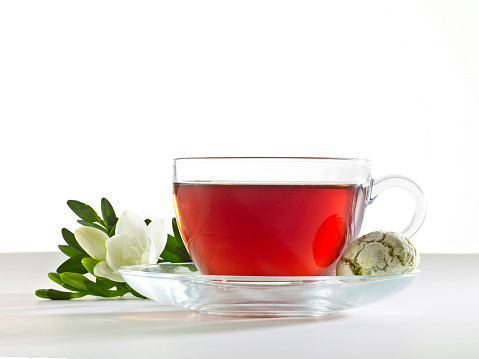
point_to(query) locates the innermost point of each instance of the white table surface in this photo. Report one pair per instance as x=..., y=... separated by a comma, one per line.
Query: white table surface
x=436, y=317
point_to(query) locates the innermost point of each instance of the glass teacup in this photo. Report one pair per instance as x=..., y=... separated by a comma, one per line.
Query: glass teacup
x=261, y=216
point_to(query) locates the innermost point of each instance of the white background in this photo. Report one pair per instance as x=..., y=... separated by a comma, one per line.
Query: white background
x=98, y=97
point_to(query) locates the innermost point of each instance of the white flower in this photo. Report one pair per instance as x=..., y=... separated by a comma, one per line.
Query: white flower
x=133, y=243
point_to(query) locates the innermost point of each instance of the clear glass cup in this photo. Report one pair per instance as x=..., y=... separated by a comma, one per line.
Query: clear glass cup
x=261, y=216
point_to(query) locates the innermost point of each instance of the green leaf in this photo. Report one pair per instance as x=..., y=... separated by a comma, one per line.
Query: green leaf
x=75, y=280
x=177, y=234
x=183, y=254
x=69, y=238
x=103, y=284
x=107, y=282
x=122, y=288
x=83, y=211
x=56, y=277
x=191, y=267
x=172, y=241
x=89, y=264
x=69, y=287
x=136, y=294
x=42, y=293
x=73, y=264
x=170, y=256
x=111, y=220
x=147, y=221
x=111, y=232
x=169, y=253
x=107, y=210
x=98, y=290
x=175, y=254
x=93, y=225
x=69, y=251
x=58, y=295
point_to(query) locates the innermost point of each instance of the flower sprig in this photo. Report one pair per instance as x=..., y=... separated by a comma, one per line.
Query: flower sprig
x=104, y=244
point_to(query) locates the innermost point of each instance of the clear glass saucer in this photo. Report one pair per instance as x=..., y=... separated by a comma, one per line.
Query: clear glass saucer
x=182, y=285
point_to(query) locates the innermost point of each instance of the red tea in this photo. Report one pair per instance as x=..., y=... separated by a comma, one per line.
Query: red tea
x=294, y=230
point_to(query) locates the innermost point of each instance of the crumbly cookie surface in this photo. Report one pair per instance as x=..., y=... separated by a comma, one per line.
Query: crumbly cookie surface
x=376, y=253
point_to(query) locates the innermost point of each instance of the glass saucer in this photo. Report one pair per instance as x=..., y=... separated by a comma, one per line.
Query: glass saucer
x=182, y=285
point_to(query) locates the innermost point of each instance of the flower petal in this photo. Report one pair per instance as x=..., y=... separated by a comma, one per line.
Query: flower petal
x=102, y=269
x=92, y=240
x=123, y=250
x=149, y=256
x=158, y=234
x=132, y=225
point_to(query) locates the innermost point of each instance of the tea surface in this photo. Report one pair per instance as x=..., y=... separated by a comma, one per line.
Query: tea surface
x=242, y=229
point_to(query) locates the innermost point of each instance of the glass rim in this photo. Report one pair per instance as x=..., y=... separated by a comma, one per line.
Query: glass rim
x=142, y=271
x=271, y=170
x=329, y=159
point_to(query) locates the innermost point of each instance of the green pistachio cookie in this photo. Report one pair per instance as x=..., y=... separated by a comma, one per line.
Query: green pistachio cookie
x=376, y=253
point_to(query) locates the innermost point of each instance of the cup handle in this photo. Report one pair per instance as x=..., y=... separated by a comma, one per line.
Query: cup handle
x=379, y=185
